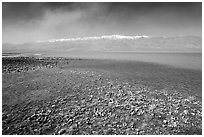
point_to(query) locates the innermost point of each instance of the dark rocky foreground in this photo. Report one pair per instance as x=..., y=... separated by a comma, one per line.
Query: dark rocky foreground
x=73, y=100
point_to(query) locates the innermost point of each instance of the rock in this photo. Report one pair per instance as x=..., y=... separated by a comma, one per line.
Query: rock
x=62, y=131
x=185, y=112
x=165, y=121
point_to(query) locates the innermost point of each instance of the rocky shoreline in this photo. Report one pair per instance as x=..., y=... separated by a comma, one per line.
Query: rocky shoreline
x=83, y=101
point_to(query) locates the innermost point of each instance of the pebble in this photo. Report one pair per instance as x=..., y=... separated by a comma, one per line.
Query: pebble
x=90, y=107
x=62, y=131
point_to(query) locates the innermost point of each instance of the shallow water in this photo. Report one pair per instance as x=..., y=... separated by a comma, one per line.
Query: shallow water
x=182, y=60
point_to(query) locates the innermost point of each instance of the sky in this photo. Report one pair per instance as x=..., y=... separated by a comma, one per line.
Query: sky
x=30, y=22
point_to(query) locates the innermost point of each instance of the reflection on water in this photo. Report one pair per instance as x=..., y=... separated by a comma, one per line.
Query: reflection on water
x=184, y=60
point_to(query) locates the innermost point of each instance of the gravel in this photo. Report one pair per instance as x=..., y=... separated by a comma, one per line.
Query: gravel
x=93, y=102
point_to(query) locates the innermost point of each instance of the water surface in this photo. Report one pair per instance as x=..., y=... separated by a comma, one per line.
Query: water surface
x=183, y=60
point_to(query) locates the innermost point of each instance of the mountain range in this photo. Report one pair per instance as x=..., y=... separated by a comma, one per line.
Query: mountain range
x=111, y=43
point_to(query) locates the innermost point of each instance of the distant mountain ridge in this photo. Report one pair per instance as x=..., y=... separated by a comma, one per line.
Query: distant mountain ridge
x=112, y=43
x=107, y=37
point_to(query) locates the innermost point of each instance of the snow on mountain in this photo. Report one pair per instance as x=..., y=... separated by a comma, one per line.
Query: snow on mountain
x=108, y=37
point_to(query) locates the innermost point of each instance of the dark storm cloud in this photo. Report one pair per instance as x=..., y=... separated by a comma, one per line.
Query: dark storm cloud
x=24, y=22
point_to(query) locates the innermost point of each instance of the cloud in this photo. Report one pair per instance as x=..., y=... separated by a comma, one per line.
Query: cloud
x=27, y=22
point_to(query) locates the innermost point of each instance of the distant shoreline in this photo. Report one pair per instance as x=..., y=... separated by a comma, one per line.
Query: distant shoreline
x=150, y=52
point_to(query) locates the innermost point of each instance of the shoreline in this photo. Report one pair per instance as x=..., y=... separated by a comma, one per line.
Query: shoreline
x=57, y=96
